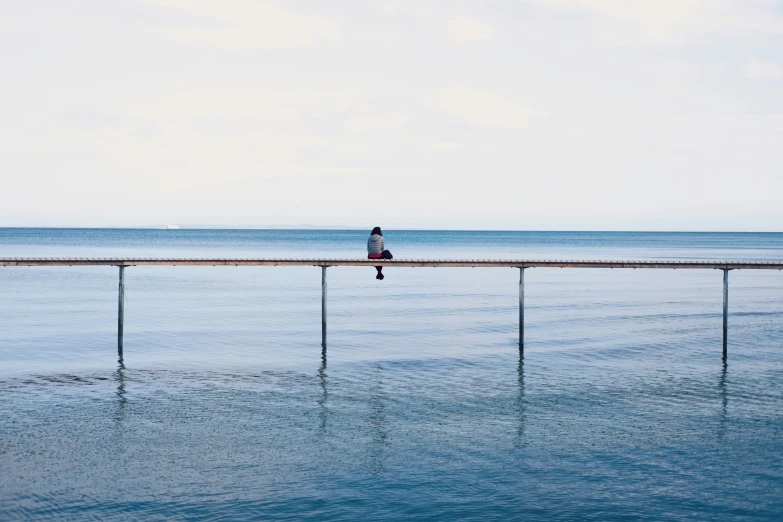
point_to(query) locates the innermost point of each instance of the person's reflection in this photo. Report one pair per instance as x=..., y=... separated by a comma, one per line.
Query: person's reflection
x=119, y=376
x=724, y=401
x=378, y=423
x=519, y=440
x=323, y=413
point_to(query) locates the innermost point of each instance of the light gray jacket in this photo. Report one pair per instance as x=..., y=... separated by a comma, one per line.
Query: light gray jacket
x=375, y=244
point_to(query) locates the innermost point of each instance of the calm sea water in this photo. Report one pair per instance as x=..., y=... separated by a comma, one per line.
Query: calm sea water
x=226, y=408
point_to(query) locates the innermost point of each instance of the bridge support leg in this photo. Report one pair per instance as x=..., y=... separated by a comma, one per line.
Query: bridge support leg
x=121, y=312
x=323, y=307
x=725, y=312
x=521, y=309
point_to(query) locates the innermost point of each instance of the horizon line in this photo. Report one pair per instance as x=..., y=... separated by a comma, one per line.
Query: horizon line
x=353, y=228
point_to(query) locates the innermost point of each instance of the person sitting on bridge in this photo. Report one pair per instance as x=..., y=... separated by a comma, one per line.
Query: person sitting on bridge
x=376, y=249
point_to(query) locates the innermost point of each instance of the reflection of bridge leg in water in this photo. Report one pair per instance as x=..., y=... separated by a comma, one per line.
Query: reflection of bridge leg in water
x=520, y=401
x=378, y=423
x=322, y=401
x=724, y=401
x=121, y=399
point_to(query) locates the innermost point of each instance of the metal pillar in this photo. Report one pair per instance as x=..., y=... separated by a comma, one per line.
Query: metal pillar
x=521, y=309
x=121, y=311
x=725, y=312
x=323, y=307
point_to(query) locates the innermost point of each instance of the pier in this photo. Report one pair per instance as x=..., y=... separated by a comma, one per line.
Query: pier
x=520, y=264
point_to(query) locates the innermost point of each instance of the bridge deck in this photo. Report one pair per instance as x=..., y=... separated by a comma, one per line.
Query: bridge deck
x=468, y=263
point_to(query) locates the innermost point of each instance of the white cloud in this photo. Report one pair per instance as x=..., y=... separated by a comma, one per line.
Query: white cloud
x=668, y=22
x=372, y=123
x=240, y=100
x=231, y=130
x=463, y=30
x=485, y=108
x=438, y=146
x=247, y=25
x=389, y=7
x=763, y=70
x=407, y=8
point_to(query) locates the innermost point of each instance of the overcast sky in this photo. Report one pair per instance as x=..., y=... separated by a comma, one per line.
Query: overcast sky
x=516, y=114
